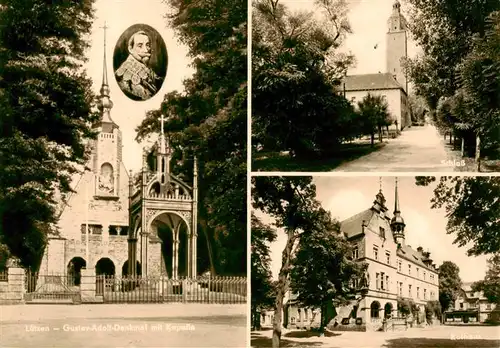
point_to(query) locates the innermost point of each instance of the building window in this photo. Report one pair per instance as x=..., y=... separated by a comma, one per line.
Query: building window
x=306, y=314
x=382, y=232
x=377, y=276
x=374, y=309
x=488, y=306
x=388, y=257
x=93, y=229
x=387, y=282
x=418, y=272
x=400, y=288
x=461, y=305
x=375, y=253
x=409, y=290
x=409, y=269
x=418, y=292
x=382, y=281
x=400, y=264
x=424, y=275
x=425, y=294
x=355, y=253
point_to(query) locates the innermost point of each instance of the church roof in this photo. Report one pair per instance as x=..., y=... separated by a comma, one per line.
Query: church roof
x=371, y=82
x=352, y=226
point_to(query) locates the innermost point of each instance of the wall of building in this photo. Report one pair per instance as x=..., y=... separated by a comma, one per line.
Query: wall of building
x=393, y=98
x=416, y=280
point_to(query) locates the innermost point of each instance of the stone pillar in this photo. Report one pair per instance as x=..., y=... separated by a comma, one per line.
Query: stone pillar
x=189, y=256
x=175, y=251
x=132, y=257
x=144, y=252
x=194, y=256
x=88, y=285
x=175, y=266
x=15, y=284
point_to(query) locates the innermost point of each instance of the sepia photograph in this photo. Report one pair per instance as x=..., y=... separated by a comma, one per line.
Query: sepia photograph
x=375, y=86
x=123, y=173
x=356, y=261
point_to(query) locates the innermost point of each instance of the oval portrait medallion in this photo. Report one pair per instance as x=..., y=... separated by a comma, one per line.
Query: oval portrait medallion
x=140, y=62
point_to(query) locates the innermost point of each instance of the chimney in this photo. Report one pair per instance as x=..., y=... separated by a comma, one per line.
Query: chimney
x=420, y=250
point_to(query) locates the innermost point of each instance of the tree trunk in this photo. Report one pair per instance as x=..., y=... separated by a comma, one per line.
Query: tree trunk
x=387, y=128
x=478, y=152
x=380, y=134
x=451, y=135
x=462, y=150
x=281, y=288
x=373, y=139
x=322, y=324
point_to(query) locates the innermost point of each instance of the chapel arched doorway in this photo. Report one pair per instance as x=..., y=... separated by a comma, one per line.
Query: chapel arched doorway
x=74, y=270
x=176, y=245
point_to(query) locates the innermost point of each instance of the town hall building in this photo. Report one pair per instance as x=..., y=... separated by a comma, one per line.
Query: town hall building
x=122, y=224
x=393, y=84
x=395, y=271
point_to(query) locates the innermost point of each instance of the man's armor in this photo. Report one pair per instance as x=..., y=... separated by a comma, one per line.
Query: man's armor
x=137, y=79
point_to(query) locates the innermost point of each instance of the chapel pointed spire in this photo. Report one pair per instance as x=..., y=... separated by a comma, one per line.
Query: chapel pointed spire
x=105, y=104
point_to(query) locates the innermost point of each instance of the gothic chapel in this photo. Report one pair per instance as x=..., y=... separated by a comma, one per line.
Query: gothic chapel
x=122, y=224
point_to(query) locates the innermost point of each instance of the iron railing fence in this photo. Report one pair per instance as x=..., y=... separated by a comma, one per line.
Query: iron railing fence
x=225, y=290
x=56, y=287
x=4, y=275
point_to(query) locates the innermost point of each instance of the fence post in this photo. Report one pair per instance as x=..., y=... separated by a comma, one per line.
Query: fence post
x=88, y=285
x=15, y=284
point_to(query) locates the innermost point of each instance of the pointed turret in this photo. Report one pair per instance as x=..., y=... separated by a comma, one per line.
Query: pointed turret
x=397, y=222
x=163, y=154
x=105, y=104
x=379, y=202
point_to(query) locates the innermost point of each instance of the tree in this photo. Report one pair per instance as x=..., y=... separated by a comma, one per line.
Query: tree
x=459, y=44
x=490, y=285
x=296, y=71
x=209, y=120
x=324, y=273
x=479, y=78
x=450, y=284
x=263, y=294
x=47, y=113
x=291, y=201
x=472, y=208
x=373, y=110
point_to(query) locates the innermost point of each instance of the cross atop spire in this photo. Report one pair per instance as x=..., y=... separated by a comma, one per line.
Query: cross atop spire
x=380, y=183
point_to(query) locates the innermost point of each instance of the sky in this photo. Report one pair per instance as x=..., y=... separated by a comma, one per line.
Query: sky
x=426, y=227
x=128, y=114
x=368, y=19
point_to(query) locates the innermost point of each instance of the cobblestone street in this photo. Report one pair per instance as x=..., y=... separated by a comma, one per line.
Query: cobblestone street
x=133, y=325
x=418, y=149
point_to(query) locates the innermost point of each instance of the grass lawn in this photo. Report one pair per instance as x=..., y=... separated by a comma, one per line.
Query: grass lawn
x=487, y=165
x=276, y=161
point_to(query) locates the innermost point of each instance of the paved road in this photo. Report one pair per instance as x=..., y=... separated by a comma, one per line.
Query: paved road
x=417, y=149
x=448, y=336
x=131, y=325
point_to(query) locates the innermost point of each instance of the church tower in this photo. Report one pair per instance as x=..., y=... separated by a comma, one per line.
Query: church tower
x=397, y=44
x=397, y=222
x=107, y=149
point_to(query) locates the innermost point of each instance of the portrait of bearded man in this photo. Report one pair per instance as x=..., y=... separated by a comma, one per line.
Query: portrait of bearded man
x=135, y=76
